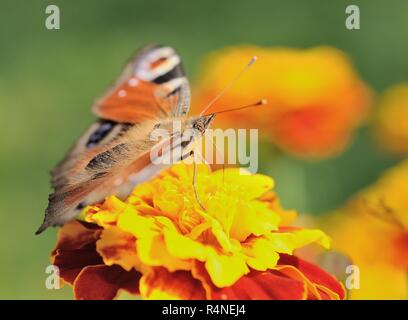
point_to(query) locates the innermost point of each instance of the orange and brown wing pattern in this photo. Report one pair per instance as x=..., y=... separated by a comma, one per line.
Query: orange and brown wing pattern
x=153, y=85
x=112, y=155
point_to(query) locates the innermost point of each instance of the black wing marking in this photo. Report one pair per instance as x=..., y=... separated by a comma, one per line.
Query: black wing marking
x=97, y=135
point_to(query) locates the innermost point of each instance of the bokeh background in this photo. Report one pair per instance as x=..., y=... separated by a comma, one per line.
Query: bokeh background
x=50, y=78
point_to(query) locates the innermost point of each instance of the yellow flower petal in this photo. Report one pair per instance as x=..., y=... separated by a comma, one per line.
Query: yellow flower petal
x=249, y=186
x=184, y=248
x=118, y=247
x=287, y=242
x=152, y=251
x=107, y=214
x=162, y=231
x=225, y=270
x=261, y=254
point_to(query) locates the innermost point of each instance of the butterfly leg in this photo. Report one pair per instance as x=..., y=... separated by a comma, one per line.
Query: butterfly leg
x=195, y=181
x=183, y=157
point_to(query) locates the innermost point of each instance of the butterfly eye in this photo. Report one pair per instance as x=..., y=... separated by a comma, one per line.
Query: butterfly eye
x=199, y=126
x=80, y=205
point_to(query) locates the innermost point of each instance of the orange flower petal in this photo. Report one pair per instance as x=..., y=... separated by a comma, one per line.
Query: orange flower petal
x=191, y=254
x=304, y=114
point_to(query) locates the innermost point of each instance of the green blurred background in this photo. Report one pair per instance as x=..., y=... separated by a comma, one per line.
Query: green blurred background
x=49, y=79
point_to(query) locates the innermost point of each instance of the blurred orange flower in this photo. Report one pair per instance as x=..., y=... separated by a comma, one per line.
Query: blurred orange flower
x=160, y=243
x=315, y=97
x=372, y=229
x=391, y=120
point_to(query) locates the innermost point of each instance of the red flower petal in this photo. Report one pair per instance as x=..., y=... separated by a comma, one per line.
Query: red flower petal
x=76, y=235
x=103, y=282
x=315, y=274
x=70, y=263
x=268, y=285
x=75, y=249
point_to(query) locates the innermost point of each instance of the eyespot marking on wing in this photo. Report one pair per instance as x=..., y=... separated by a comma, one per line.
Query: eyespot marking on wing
x=160, y=65
x=174, y=73
x=107, y=128
x=100, y=133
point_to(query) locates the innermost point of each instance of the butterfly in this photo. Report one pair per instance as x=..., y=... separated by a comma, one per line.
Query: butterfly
x=114, y=153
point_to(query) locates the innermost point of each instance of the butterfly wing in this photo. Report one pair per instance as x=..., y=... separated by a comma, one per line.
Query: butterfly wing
x=113, y=154
x=152, y=84
x=92, y=142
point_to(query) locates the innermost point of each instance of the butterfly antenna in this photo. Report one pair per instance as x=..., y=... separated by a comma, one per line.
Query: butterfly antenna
x=256, y=104
x=230, y=84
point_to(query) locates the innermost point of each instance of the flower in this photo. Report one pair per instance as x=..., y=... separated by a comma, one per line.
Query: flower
x=163, y=245
x=315, y=98
x=81, y=266
x=372, y=229
x=390, y=125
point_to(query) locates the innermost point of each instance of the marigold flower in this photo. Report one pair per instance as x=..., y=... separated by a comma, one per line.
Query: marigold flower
x=315, y=98
x=372, y=229
x=390, y=124
x=161, y=244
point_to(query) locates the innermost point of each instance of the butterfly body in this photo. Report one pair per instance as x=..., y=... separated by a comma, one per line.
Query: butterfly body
x=114, y=154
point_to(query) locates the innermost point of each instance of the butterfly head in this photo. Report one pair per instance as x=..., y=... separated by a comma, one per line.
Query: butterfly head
x=201, y=123
x=194, y=129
